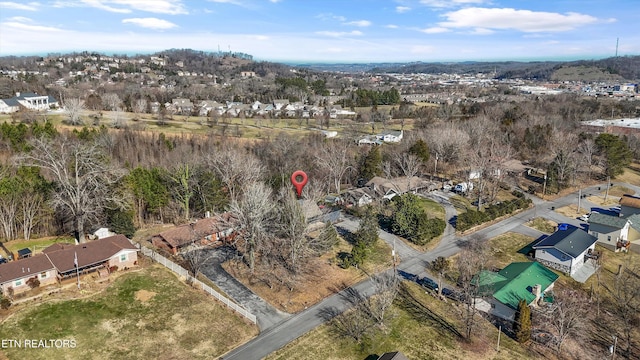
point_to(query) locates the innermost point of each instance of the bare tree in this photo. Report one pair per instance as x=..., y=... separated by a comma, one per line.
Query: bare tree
x=235, y=169
x=196, y=259
x=409, y=164
x=334, y=159
x=111, y=101
x=252, y=216
x=140, y=107
x=32, y=204
x=183, y=177
x=568, y=318
x=385, y=291
x=74, y=107
x=625, y=293
x=470, y=262
x=293, y=229
x=587, y=149
x=84, y=180
x=10, y=195
x=118, y=120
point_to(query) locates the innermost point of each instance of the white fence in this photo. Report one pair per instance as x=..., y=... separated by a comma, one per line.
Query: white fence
x=184, y=273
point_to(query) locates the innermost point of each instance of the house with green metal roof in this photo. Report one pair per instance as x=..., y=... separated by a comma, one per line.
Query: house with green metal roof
x=502, y=290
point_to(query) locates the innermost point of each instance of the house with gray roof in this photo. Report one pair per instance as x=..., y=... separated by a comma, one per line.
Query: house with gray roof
x=608, y=229
x=566, y=249
x=30, y=101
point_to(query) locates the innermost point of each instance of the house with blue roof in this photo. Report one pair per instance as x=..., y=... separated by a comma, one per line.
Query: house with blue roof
x=501, y=291
x=565, y=250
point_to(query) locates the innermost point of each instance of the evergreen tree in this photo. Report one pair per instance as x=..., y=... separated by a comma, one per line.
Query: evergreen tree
x=421, y=150
x=522, y=322
x=616, y=153
x=371, y=164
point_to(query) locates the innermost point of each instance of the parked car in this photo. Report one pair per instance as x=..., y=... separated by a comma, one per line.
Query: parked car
x=584, y=217
x=452, y=294
x=446, y=187
x=3, y=260
x=428, y=283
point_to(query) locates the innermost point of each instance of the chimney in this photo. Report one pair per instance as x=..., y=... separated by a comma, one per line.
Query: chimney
x=537, y=292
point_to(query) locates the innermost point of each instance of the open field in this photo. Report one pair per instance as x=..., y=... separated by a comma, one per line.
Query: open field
x=36, y=245
x=146, y=314
x=507, y=248
x=422, y=327
x=325, y=277
x=542, y=225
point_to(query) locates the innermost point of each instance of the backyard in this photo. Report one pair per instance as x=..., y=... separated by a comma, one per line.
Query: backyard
x=144, y=314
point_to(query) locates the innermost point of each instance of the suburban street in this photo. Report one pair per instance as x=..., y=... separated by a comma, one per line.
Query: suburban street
x=412, y=261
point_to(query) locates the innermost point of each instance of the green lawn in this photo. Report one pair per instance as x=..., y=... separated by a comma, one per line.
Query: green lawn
x=36, y=245
x=147, y=314
x=422, y=327
x=432, y=208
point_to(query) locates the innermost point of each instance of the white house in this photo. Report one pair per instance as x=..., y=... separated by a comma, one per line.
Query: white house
x=566, y=249
x=31, y=101
x=391, y=136
x=610, y=230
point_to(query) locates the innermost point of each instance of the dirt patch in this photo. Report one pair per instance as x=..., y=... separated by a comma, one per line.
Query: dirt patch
x=143, y=295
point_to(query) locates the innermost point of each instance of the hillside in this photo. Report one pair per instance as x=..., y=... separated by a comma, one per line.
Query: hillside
x=615, y=68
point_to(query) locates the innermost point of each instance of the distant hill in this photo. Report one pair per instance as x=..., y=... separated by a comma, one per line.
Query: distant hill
x=615, y=68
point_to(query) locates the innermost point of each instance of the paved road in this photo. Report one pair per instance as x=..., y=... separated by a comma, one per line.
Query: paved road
x=413, y=262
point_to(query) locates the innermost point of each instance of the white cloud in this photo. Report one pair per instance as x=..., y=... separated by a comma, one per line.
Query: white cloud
x=20, y=25
x=402, y=9
x=32, y=6
x=435, y=30
x=275, y=1
x=232, y=2
x=482, y=31
x=359, y=23
x=150, y=23
x=339, y=33
x=21, y=19
x=452, y=3
x=391, y=26
x=171, y=7
x=330, y=16
x=512, y=19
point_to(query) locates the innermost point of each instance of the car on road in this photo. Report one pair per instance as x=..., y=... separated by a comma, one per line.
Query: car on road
x=428, y=283
x=584, y=217
x=452, y=294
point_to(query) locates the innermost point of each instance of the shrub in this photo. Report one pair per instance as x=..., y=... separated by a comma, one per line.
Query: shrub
x=5, y=303
x=114, y=268
x=33, y=282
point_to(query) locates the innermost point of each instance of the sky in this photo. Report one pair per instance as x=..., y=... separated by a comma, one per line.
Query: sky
x=328, y=31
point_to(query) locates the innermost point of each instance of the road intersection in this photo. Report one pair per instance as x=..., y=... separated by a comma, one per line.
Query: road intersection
x=412, y=261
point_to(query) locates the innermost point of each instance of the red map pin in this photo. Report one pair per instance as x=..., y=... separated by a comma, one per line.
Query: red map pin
x=299, y=184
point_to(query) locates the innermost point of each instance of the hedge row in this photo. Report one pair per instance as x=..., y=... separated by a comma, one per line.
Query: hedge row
x=471, y=218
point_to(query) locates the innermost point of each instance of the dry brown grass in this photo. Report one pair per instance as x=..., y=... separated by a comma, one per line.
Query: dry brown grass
x=325, y=278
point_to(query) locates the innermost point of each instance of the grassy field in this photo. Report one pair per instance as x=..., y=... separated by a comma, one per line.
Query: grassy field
x=423, y=327
x=36, y=245
x=542, y=225
x=148, y=314
x=507, y=248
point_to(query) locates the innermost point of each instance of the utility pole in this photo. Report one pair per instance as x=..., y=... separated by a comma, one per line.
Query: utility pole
x=544, y=186
x=606, y=194
x=499, y=331
x=579, y=198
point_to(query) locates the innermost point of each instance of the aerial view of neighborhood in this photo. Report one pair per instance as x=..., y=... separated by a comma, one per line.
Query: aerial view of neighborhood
x=288, y=179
